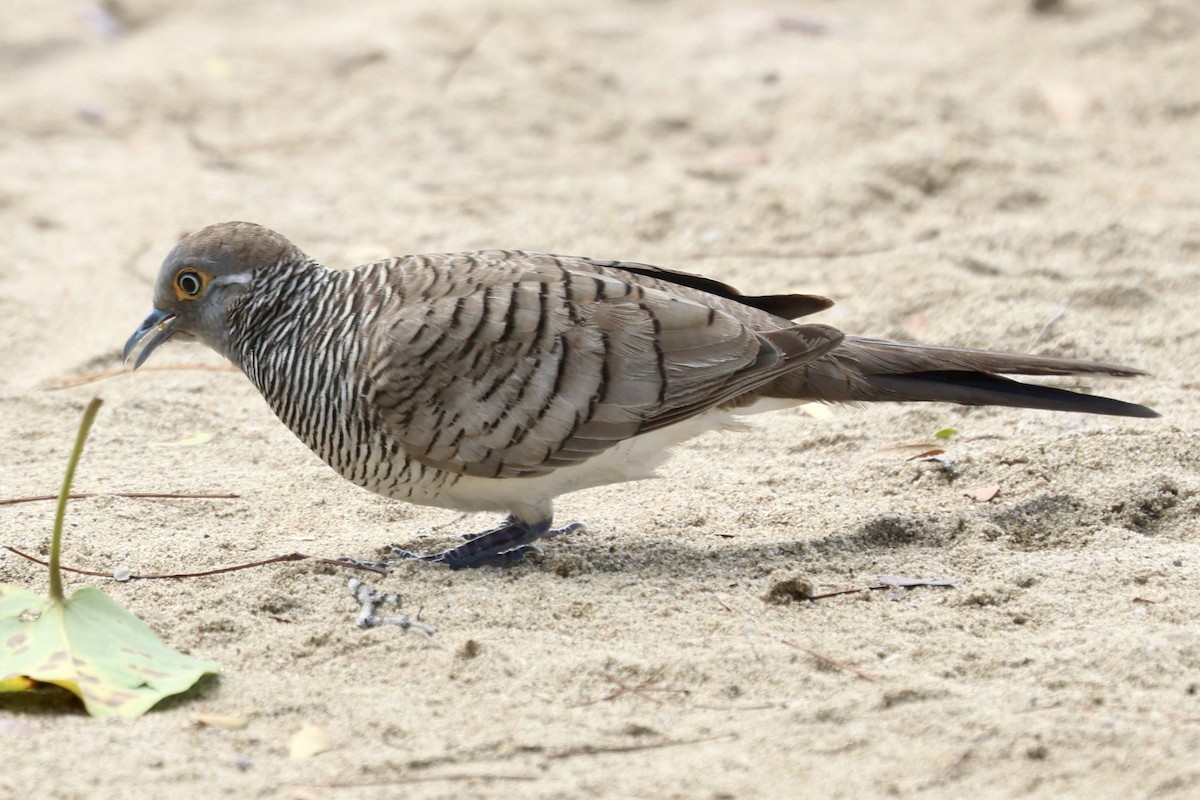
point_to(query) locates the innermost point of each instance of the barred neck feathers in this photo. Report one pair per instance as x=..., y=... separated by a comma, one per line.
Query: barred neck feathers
x=298, y=337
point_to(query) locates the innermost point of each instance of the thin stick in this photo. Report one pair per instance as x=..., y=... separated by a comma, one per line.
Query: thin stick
x=833, y=662
x=136, y=495
x=844, y=591
x=207, y=572
x=593, y=750
x=93, y=377
x=886, y=584
x=644, y=685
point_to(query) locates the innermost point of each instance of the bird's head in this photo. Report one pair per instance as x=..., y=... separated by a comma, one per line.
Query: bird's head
x=201, y=278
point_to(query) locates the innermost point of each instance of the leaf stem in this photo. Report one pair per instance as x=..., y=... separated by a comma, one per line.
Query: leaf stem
x=89, y=415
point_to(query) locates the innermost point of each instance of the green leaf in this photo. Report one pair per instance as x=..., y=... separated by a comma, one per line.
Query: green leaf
x=92, y=647
x=87, y=643
x=945, y=433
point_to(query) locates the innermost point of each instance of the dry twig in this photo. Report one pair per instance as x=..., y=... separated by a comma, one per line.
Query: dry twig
x=136, y=495
x=93, y=377
x=202, y=573
x=595, y=750
x=833, y=662
x=639, y=689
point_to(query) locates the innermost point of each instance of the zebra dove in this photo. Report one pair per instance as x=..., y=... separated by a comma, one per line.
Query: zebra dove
x=498, y=380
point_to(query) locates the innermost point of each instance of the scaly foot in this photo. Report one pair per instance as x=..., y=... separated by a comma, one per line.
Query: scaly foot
x=509, y=542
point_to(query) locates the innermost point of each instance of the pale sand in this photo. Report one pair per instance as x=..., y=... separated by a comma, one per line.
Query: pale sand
x=958, y=172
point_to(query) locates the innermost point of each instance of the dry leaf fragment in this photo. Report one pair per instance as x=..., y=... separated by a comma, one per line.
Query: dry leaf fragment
x=984, y=493
x=1067, y=104
x=226, y=722
x=1157, y=597
x=308, y=741
x=937, y=451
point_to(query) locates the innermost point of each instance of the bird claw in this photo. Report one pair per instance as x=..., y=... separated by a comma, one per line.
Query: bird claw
x=506, y=544
x=566, y=530
x=502, y=559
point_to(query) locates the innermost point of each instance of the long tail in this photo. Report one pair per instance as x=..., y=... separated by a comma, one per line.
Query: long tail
x=872, y=370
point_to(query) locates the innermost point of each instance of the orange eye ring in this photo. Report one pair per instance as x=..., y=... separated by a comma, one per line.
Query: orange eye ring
x=190, y=283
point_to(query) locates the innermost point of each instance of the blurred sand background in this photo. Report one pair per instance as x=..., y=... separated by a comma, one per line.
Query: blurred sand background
x=968, y=172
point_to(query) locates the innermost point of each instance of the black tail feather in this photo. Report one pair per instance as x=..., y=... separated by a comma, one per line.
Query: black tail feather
x=981, y=389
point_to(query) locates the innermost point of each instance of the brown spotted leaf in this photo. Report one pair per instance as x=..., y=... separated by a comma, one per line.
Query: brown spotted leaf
x=91, y=646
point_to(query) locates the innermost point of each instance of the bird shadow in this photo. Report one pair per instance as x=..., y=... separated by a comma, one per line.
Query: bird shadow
x=621, y=551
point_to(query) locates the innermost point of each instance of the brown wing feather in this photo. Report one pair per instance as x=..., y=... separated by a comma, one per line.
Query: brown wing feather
x=511, y=364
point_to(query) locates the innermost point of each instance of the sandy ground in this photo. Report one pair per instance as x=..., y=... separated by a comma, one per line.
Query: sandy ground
x=961, y=172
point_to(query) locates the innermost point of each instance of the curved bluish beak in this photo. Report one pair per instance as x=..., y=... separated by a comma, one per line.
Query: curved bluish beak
x=159, y=324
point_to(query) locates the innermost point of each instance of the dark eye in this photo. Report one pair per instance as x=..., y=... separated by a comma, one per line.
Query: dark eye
x=189, y=282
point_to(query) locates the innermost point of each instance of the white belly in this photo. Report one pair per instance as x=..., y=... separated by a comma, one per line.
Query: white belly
x=532, y=498
x=631, y=460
